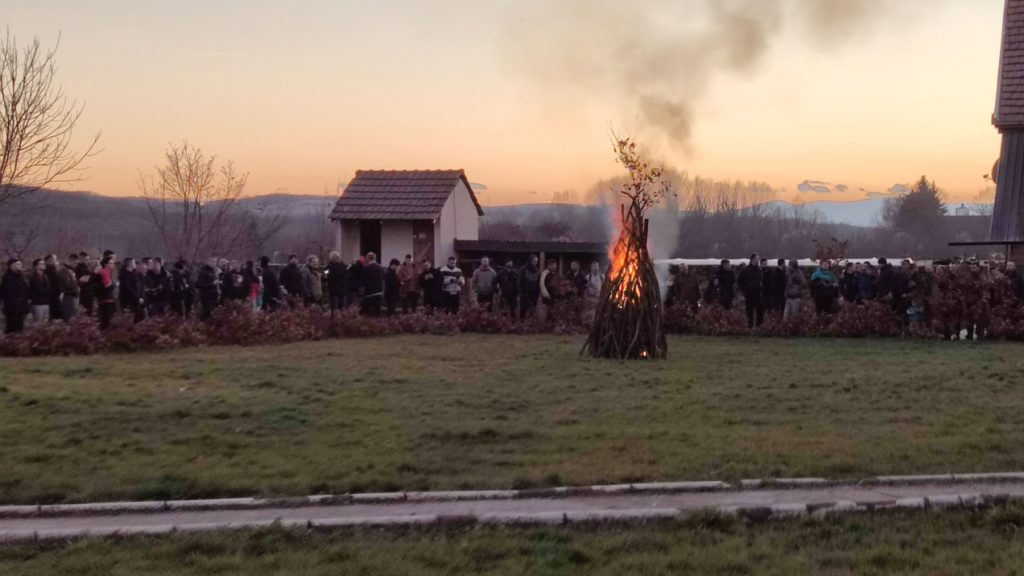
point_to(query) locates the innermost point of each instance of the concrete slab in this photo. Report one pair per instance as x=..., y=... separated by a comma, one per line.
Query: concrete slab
x=461, y=495
x=680, y=486
x=992, y=477
x=378, y=497
x=918, y=479
x=96, y=507
x=11, y=511
x=216, y=503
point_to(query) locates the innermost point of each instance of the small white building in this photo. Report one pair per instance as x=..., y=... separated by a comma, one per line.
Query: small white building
x=397, y=212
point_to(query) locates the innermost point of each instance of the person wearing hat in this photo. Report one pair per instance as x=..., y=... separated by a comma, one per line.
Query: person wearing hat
x=14, y=297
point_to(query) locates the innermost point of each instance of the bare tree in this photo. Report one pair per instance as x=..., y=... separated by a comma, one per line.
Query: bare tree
x=194, y=206
x=985, y=202
x=36, y=122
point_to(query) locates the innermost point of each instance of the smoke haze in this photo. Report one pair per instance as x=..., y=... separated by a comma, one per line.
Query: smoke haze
x=652, y=61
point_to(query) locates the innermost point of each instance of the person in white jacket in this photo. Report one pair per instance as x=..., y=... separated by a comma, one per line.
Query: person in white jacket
x=452, y=282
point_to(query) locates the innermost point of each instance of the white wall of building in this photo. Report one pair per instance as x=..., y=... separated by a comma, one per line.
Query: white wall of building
x=348, y=236
x=395, y=240
x=459, y=221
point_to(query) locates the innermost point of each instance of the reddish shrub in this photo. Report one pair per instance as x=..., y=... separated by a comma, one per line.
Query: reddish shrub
x=679, y=320
x=863, y=320
x=806, y=323
x=717, y=321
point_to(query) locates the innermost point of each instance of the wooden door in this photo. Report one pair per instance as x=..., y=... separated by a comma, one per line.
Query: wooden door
x=423, y=240
x=369, y=237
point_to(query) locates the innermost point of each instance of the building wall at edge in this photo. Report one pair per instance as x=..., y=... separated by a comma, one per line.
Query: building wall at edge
x=459, y=220
x=349, y=236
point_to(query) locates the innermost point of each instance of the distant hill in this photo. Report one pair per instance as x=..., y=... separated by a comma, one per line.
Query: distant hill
x=866, y=212
x=58, y=221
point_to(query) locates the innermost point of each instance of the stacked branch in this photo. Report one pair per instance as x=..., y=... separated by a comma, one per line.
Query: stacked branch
x=628, y=322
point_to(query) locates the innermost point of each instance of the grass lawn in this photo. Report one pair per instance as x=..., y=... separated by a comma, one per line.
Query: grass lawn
x=947, y=543
x=477, y=411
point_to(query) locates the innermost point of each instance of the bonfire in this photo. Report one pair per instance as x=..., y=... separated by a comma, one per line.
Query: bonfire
x=628, y=320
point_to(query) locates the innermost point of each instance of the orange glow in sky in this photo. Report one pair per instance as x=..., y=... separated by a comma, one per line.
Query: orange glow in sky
x=302, y=94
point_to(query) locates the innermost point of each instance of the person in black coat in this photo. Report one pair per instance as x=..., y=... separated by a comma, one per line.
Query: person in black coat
x=86, y=284
x=337, y=285
x=208, y=287
x=131, y=290
x=902, y=285
x=431, y=283
x=508, y=288
x=180, y=294
x=157, y=286
x=373, y=286
x=230, y=282
x=271, y=286
x=751, y=281
x=885, y=281
x=529, y=286
x=39, y=291
x=849, y=284
x=355, y=280
x=1016, y=280
x=14, y=297
x=291, y=280
x=775, y=286
x=726, y=284
x=392, y=287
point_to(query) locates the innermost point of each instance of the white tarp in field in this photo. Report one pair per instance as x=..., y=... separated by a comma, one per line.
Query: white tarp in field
x=804, y=263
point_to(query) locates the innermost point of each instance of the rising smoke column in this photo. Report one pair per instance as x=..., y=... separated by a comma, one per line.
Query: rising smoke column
x=654, y=60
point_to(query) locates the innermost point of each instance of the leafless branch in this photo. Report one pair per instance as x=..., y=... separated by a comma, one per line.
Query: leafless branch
x=37, y=122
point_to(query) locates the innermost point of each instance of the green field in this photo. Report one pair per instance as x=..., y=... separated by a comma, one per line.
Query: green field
x=947, y=543
x=497, y=412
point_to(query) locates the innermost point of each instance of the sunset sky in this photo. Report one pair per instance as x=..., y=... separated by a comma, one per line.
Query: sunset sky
x=523, y=93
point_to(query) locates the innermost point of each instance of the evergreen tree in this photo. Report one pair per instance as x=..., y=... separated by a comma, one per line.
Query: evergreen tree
x=917, y=211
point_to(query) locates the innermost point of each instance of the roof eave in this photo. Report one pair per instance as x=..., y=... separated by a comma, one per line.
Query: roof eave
x=472, y=194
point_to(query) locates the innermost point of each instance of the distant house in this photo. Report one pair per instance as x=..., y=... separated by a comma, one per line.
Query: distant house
x=397, y=212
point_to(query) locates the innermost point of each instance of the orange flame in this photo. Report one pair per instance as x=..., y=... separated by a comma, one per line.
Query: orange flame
x=625, y=271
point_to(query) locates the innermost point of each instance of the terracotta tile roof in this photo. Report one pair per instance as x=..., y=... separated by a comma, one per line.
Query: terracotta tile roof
x=399, y=194
x=1010, y=97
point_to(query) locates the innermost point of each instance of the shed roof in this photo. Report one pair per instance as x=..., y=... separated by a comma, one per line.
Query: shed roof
x=399, y=194
x=1010, y=95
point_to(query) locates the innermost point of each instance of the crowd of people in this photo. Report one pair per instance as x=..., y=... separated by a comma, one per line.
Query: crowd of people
x=54, y=290
x=960, y=294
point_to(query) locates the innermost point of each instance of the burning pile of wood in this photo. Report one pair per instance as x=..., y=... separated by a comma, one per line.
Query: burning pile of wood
x=628, y=320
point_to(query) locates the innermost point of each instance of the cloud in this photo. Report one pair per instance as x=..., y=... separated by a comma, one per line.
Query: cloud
x=842, y=188
x=892, y=192
x=815, y=186
x=478, y=186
